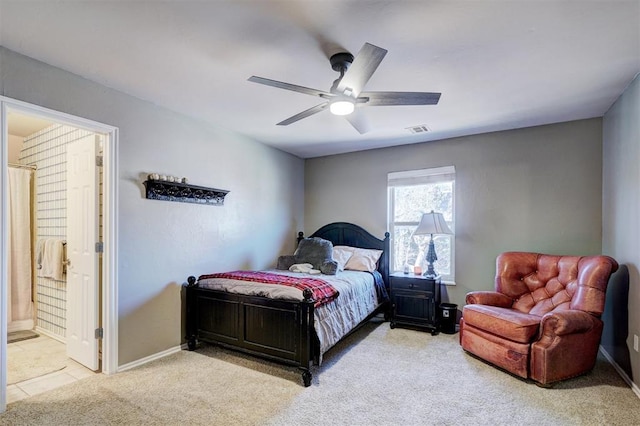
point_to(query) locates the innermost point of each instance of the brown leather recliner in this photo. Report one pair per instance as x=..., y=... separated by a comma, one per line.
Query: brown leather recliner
x=543, y=320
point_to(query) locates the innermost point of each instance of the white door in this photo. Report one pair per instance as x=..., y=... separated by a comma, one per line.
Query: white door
x=82, y=235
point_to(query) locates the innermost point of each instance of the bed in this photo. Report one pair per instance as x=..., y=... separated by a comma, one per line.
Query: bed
x=281, y=330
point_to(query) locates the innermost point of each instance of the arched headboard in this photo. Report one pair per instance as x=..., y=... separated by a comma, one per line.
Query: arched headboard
x=348, y=234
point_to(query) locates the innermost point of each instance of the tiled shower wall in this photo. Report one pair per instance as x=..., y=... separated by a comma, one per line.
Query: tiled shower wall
x=46, y=149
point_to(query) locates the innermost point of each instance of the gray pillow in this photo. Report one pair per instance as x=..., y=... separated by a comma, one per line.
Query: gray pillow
x=315, y=251
x=285, y=262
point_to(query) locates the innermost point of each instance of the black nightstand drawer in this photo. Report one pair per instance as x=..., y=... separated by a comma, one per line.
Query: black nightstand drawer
x=410, y=283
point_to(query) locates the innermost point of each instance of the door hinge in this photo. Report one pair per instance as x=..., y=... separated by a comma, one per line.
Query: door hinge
x=99, y=160
x=99, y=333
x=100, y=247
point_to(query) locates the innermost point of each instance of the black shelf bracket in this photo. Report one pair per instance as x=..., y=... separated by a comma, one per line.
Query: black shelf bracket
x=184, y=193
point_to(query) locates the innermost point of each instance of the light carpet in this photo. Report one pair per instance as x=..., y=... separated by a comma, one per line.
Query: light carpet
x=377, y=376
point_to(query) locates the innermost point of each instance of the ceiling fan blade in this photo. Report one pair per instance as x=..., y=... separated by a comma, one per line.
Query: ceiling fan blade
x=364, y=65
x=400, y=98
x=359, y=121
x=289, y=86
x=304, y=114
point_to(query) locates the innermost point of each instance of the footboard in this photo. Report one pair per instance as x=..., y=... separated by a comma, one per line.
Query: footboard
x=278, y=330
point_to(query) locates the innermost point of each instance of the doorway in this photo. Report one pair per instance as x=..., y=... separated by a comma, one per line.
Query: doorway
x=108, y=304
x=45, y=296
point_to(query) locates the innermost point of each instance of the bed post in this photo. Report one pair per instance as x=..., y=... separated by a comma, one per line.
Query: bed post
x=300, y=238
x=191, y=288
x=306, y=333
x=387, y=253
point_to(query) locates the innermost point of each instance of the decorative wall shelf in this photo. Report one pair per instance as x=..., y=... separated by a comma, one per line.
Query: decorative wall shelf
x=184, y=192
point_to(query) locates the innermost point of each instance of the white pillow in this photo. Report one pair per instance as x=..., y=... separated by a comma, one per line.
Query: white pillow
x=361, y=259
x=342, y=254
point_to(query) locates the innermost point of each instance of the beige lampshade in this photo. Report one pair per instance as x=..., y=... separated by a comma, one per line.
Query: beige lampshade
x=432, y=223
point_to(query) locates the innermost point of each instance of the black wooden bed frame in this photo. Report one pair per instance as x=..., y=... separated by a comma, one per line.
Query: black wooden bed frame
x=278, y=330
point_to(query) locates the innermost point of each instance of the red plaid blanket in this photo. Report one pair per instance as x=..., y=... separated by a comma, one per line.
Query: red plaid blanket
x=323, y=292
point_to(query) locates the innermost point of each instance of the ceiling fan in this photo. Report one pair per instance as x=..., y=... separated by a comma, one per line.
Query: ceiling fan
x=346, y=92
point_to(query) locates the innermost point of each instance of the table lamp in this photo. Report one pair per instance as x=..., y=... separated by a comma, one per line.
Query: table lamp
x=432, y=223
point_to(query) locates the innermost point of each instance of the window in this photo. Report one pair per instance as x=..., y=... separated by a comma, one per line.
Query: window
x=411, y=194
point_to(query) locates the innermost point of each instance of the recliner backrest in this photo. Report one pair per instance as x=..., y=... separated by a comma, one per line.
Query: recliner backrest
x=540, y=283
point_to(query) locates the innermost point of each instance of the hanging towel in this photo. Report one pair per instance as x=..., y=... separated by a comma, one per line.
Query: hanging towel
x=52, y=266
x=40, y=253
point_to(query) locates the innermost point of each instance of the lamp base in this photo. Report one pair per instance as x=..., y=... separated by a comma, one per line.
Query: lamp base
x=430, y=258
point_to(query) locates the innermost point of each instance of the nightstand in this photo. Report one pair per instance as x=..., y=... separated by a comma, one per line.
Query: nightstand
x=414, y=301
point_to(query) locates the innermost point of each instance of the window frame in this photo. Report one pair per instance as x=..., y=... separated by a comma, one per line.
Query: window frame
x=415, y=178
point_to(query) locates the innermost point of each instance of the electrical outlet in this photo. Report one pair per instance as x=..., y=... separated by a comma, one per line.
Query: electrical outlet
x=635, y=342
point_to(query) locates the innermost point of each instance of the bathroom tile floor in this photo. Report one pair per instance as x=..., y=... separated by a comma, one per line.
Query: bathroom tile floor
x=71, y=372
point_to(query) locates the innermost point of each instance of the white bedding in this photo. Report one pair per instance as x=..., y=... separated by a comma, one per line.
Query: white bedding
x=333, y=320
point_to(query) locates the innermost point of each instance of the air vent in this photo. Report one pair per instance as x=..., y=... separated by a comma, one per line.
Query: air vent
x=418, y=129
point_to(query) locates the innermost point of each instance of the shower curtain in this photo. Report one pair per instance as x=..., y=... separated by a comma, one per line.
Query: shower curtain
x=20, y=305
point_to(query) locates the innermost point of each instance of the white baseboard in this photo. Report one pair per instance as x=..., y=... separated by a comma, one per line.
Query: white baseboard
x=621, y=372
x=150, y=358
x=50, y=334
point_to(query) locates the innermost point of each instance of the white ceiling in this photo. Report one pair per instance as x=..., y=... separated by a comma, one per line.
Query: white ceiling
x=498, y=64
x=24, y=125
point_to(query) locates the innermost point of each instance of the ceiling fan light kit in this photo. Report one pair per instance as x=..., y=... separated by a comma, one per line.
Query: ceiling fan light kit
x=342, y=107
x=346, y=91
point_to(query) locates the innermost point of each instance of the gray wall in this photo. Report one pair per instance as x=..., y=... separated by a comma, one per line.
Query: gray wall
x=621, y=237
x=532, y=189
x=161, y=243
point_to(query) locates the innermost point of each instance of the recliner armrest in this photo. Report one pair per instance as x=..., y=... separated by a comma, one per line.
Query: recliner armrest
x=566, y=322
x=491, y=298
